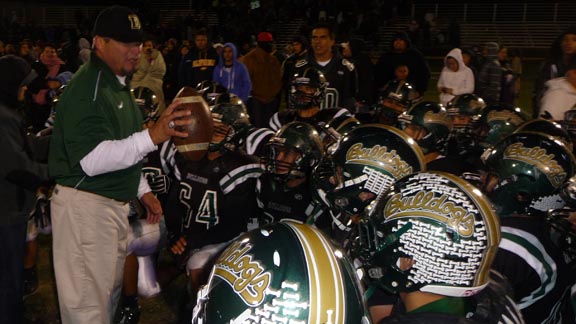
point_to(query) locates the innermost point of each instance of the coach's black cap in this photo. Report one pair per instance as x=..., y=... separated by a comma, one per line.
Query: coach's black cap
x=118, y=23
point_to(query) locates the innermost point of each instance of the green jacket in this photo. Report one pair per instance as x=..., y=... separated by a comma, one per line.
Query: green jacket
x=95, y=107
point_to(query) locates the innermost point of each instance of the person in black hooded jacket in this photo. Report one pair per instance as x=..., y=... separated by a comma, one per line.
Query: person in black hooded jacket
x=364, y=90
x=20, y=177
x=402, y=52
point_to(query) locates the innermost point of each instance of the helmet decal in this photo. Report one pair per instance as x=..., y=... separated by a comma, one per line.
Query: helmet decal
x=303, y=280
x=452, y=234
x=246, y=276
x=379, y=156
x=537, y=157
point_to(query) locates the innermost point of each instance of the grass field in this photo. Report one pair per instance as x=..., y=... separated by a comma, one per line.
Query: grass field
x=42, y=307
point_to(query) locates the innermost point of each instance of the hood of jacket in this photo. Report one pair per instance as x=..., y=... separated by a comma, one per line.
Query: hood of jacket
x=234, y=50
x=403, y=36
x=456, y=54
x=493, y=49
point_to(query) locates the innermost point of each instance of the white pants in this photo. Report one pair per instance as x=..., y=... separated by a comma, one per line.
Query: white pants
x=89, y=245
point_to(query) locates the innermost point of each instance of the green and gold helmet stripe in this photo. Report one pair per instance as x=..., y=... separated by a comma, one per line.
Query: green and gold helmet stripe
x=327, y=292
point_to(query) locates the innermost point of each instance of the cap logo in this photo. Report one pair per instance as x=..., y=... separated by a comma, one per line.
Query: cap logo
x=246, y=276
x=380, y=158
x=134, y=22
x=537, y=157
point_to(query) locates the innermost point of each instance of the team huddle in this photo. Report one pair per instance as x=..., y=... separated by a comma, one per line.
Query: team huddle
x=422, y=212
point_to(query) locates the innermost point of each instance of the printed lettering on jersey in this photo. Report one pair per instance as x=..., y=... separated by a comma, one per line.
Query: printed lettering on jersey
x=247, y=277
x=331, y=99
x=537, y=156
x=196, y=178
x=378, y=156
x=203, y=63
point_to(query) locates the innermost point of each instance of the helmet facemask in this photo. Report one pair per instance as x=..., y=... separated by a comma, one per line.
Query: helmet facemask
x=222, y=138
x=285, y=163
x=305, y=96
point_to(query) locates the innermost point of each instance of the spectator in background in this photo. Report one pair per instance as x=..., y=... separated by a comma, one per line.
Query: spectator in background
x=232, y=74
x=488, y=85
x=25, y=51
x=300, y=51
x=562, y=50
x=364, y=90
x=150, y=72
x=218, y=47
x=266, y=78
x=455, y=78
x=200, y=62
x=560, y=93
x=20, y=178
x=10, y=49
x=50, y=69
x=84, y=50
x=515, y=58
x=2, y=49
x=402, y=52
x=508, y=84
x=172, y=59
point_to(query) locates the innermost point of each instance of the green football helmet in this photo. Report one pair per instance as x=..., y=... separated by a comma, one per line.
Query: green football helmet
x=496, y=123
x=233, y=123
x=524, y=169
x=313, y=78
x=212, y=92
x=147, y=101
x=547, y=126
x=336, y=128
x=433, y=118
x=443, y=226
x=285, y=272
x=364, y=165
x=465, y=111
x=393, y=99
x=293, y=151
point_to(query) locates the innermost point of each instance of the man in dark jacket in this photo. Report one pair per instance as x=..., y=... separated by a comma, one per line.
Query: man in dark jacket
x=198, y=65
x=402, y=53
x=364, y=91
x=20, y=177
x=300, y=46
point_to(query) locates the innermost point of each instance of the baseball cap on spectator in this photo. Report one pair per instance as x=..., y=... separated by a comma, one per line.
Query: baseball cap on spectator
x=120, y=24
x=264, y=37
x=218, y=45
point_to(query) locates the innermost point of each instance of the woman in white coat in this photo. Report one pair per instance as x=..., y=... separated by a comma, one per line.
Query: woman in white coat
x=456, y=78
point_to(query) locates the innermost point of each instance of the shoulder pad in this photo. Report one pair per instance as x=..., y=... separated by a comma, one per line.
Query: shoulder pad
x=349, y=65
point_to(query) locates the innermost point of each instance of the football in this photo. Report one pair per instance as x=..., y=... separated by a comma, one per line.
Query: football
x=195, y=146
